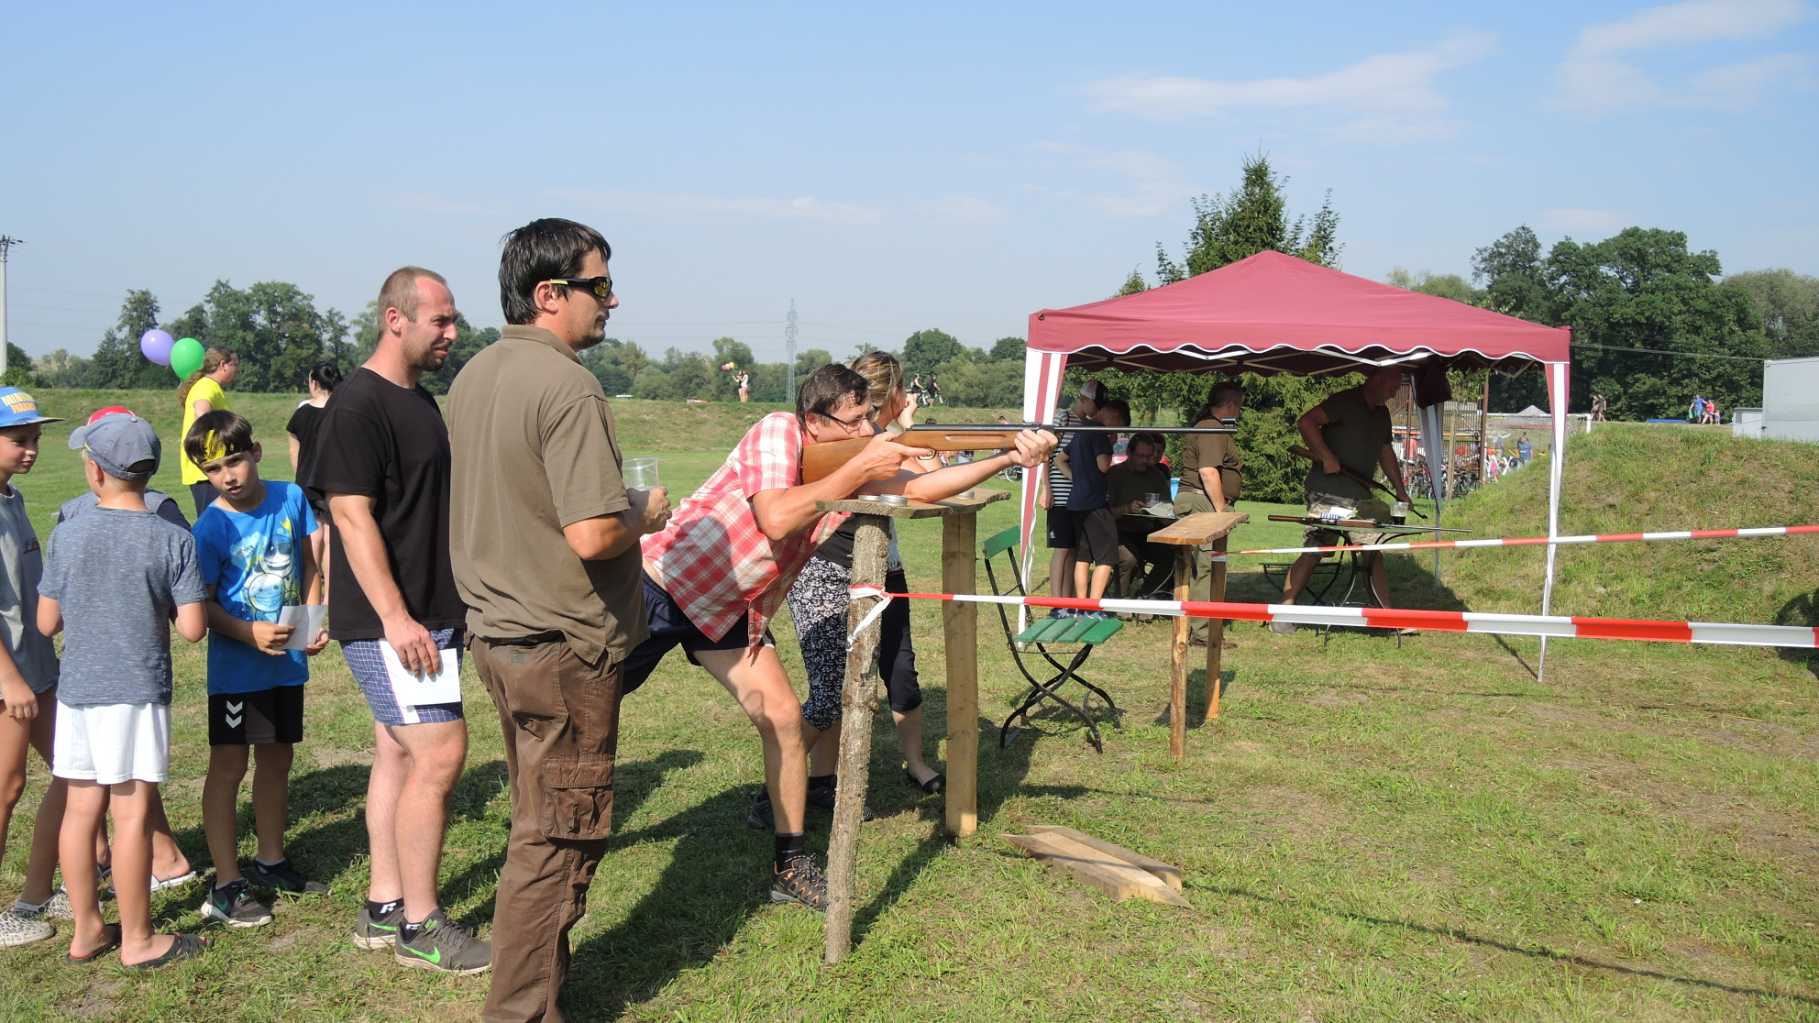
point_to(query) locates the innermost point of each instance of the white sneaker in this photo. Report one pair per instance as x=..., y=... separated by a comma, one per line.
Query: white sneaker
x=56, y=907
x=19, y=929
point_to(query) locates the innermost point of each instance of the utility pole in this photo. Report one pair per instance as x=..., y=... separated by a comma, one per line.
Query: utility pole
x=7, y=241
x=790, y=354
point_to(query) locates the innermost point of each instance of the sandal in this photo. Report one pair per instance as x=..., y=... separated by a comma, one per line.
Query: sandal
x=108, y=944
x=186, y=946
x=936, y=784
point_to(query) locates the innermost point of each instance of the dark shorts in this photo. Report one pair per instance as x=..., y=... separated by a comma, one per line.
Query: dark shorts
x=204, y=494
x=367, y=665
x=670, y=628
x=1060, y=529
x=1096, y=536
x=256, y=719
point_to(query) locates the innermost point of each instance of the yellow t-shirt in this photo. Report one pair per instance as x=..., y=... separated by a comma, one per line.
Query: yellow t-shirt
x=205, y=389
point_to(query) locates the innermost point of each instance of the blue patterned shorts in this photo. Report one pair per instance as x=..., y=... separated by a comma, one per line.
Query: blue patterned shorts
x=368, y=668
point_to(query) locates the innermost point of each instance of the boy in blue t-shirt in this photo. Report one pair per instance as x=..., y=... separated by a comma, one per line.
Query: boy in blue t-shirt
x=252, y=543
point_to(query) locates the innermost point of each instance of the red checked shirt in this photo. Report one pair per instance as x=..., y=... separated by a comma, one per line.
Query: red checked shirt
x=713, y=559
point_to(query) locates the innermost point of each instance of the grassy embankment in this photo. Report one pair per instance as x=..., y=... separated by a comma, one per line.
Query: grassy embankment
x=1371, y=831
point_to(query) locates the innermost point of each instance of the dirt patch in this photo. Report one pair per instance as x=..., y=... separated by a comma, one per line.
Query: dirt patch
x=337, y=756
x=98, y=1000
x=1334, y=698
x=1301, y=816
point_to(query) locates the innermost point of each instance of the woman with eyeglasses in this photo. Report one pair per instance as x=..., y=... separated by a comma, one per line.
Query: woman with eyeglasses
x=818, y=604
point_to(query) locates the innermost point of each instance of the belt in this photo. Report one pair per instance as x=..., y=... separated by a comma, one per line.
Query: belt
x=534, y=639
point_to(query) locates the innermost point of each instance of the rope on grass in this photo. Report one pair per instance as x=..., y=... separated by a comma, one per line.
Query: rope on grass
x=1567, y=627
x=1532, y=541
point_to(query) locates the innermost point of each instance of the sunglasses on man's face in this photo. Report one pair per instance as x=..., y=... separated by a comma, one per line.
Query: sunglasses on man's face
x=602, y=287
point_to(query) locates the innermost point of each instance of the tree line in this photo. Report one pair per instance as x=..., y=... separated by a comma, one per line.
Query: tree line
x=1653, y=323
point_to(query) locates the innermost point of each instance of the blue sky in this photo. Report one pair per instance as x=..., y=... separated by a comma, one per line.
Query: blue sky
x=951, y=166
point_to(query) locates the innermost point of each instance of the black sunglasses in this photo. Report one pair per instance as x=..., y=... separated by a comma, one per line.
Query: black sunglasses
x=602, y=287
x=847, y=423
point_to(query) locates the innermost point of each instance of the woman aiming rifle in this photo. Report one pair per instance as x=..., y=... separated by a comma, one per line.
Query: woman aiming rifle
x=818, y=603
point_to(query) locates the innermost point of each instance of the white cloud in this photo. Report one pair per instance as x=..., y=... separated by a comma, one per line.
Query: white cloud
x=1584, y=223
x=694, y=205
x=960, y=209
x=1149, y=184
x=1388, y=88
x=1600, y=72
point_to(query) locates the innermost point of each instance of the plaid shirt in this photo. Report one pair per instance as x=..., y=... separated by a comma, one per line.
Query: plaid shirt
x=713, y=559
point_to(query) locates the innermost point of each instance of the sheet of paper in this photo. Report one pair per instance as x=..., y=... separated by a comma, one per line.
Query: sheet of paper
x=423, y=690
x=306, y=619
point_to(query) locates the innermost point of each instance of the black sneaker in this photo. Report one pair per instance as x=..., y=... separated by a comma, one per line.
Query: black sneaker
x=236, y=906
x=443, y=946
x=373, y=933
x=285, y=879
x=800, y=880
x=821, y=798
x=760, y=817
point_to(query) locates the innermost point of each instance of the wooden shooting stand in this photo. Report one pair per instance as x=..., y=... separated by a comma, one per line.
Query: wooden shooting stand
x=1187, y=533
x=859, y=696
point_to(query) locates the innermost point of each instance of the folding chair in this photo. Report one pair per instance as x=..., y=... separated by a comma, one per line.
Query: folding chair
x=1043, y=634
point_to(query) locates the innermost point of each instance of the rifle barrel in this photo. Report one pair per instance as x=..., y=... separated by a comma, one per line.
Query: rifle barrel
x=1015, y=427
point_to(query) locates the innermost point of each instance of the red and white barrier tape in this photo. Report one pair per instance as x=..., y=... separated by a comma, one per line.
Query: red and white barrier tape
x=1533, y=541
x=1572, y=627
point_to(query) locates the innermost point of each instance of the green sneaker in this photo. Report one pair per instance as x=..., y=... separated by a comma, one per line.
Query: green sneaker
x=235, y=906
x=375, y=933
x=443, y=946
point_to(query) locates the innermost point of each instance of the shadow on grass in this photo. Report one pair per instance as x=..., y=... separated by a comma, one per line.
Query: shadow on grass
x=1802, y=610
x=633, y=783
x=1532, y=951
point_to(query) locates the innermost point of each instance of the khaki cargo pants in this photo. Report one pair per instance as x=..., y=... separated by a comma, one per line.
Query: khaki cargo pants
x=560, y=718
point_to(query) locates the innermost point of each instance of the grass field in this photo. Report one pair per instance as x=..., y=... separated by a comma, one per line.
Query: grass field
x=1371, y=830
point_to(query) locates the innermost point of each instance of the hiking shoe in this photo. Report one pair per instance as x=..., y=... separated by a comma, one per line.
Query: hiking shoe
x=285, y=879
x=373, y=933
x=441, y=945
x=800, y=880
x=236, y=906
x=19, y=929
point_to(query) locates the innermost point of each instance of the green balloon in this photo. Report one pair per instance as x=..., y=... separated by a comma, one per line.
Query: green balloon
x=186, y=357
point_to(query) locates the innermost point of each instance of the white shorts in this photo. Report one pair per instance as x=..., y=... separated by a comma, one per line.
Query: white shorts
x=112, y=743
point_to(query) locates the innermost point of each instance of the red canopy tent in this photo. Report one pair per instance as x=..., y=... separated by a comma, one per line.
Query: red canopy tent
x=1275, y=313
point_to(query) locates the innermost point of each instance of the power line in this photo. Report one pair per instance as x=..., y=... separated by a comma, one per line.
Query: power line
x=1662, y=351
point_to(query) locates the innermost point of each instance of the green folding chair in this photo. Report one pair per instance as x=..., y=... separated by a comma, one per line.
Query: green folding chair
x=1043, y=635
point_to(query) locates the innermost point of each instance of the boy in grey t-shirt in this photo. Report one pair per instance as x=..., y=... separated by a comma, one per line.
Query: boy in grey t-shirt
x=116, y=577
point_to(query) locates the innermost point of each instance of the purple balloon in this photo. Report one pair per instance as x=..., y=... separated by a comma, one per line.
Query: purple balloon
x=156, y=345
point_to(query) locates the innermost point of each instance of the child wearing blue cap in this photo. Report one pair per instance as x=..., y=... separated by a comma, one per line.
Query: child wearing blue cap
x=28, y=669
x=116, y=578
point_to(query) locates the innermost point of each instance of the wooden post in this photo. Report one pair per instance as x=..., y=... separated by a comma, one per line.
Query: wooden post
x=1177, y=690
x=960, y=632
x=1215, y=638
x=858, y=699
x=1188, y=532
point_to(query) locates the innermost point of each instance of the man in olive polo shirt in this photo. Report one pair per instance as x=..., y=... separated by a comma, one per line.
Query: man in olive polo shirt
x=545, y=549
x=1212, y=472
x=1350, y=436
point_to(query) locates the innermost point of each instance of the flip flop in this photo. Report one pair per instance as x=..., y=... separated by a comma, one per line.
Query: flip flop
x=186, y=946
x=112, y=942
x=162, y=883
x=936, y=783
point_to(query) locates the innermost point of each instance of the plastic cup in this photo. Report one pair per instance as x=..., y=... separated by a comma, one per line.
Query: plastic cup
x=641, y=474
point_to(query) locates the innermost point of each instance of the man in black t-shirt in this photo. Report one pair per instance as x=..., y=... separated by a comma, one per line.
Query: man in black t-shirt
x=382, y=466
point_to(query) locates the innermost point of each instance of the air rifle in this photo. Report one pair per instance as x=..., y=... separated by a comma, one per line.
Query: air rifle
x=820, y=460
x=1369, y=481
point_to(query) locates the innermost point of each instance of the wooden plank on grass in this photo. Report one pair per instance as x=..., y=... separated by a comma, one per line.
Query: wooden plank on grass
x=1107, y=872
x=1168, y=873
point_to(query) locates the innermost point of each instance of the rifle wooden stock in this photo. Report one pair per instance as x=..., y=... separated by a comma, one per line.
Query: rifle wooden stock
x=819, y=461
x=1369, y=481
